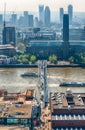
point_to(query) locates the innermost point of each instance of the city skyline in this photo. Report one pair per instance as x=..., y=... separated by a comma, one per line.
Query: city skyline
x=21, y=5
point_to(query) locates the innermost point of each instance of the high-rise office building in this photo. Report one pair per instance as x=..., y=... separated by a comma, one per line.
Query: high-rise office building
x=21, y=21
x=14, y=19
x=36, y=22
x=65, y=27
x=70, y=12
x=9, y=35
x=47, y=16
x=1, y=19
x=25, y=20
x=65, y=36
x=30, y=20
x=61, y=15
x=41, y=14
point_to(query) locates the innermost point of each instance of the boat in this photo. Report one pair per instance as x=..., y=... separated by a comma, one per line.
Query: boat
x=72, y=84
x=29, y=74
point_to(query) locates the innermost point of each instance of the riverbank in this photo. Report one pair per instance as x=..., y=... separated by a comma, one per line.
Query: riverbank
x=35, y=65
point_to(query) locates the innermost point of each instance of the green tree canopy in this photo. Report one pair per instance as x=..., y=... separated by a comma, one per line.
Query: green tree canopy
x=32, y=59
x=53, y=59
x=71, y=59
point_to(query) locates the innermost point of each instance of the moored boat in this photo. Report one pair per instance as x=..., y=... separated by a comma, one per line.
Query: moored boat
x=29, y=74
x=72, y=84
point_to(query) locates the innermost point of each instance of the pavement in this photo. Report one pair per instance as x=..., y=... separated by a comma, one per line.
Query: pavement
x=45, y=119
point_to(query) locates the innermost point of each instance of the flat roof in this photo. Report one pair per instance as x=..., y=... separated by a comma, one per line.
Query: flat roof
x=15, y=105
x=6, y=46
x=74, y=101
x=54, y=43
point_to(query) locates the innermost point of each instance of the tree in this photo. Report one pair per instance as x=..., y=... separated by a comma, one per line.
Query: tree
x=53, y=59
x=71, y=59
x=23, y=59
x=32, y=59
x=80, y=58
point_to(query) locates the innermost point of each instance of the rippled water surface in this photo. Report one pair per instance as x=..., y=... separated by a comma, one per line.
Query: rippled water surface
x=10, y=78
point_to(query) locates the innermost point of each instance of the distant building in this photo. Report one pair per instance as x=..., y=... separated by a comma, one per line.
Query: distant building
x=14, y=19
x=5, y=59
x=77, y=34
x=66, y=28
x=1, y=19
x=65, y=36
x=44, y=48
x=61, y=15
x=41, y=15
x=47, y=16
x=36, y=22
x=7, y=50
x=37, y=34
x=30, y=21
x=21, y=21
x=9, y=36
x=25, y=20
x=67, y=110
x=70, y=12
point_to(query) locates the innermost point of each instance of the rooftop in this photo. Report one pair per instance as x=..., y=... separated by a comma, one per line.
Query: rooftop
x=67, y=110
x=16, y=105
x=67, y=100
x=7, y=46
x=55, y=43
x=69, y=117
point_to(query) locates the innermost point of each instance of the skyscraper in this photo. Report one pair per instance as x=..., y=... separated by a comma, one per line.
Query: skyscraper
x=70, y=12
x=65, y=27
x=25, y=21
x=41, y=14
x=9, y=35
x=61, y=15
x=65, y=36
x=47, y=16
x=1, y=19
x=30, y=20
x=14, y=19
x=36, y=23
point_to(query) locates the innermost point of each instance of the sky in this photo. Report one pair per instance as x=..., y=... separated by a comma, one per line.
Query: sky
x=32, y=5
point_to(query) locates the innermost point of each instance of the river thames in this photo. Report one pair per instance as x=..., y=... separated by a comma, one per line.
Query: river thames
x=11, y=80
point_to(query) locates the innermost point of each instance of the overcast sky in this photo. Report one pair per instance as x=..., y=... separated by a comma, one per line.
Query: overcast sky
x=32, y=5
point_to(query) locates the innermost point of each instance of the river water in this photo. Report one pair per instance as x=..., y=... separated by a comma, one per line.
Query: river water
x=11, y=80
